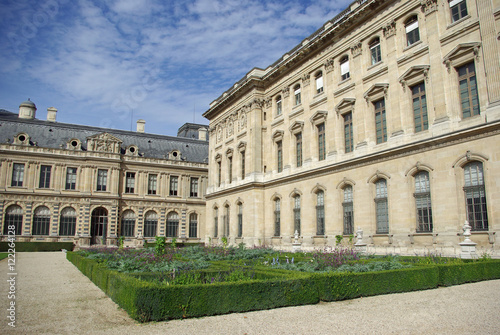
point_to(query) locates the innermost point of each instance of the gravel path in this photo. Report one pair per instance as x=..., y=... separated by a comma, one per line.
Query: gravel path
x=53, y=297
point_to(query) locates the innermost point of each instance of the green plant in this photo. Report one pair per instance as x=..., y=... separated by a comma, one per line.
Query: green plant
x=159, y=245
x=224, y=241
x=338, y=239
x=121, y=240
x=174, y=243
x=351, y=239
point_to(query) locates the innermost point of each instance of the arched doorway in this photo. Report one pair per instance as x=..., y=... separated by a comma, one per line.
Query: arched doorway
x=98, y=226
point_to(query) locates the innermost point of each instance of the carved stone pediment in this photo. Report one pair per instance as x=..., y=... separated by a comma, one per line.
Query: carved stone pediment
x=104, y=142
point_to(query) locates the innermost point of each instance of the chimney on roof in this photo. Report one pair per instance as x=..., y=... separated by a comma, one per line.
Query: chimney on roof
x=140, y=125
x=27, y=110
x=202, y=134
x=51, y=114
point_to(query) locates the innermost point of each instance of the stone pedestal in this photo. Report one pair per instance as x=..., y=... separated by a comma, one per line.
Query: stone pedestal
x=296, y=244
x=467, y=247
x=360, y=246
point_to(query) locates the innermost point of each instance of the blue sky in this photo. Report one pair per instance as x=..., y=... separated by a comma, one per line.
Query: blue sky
x=109, y=63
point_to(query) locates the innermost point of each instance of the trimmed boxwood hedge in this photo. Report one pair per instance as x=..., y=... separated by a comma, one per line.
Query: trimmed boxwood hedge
x=149, y=301
x=37, y=246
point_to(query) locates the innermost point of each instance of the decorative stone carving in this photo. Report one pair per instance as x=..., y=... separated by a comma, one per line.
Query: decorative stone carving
x=330, y=65
x=306, y=79
x=242, y=120
x=104, y=142
x=229, y=127
x=268, y=102
x=389, y=29
x=286, y=91
x=219, y=134
x=357, y=49
x=429, y=6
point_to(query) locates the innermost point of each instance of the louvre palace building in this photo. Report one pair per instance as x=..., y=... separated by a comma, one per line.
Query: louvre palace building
x=67, y=182
x=385, y=120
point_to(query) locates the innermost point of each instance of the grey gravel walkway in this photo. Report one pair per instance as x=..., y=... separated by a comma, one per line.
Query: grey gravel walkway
x=53, y=297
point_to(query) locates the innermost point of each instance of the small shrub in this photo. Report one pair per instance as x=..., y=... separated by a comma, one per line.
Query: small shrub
x=159, y=245
x=338, y=239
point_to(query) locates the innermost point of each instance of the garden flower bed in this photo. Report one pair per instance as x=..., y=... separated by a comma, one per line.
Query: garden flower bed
x=167, y=283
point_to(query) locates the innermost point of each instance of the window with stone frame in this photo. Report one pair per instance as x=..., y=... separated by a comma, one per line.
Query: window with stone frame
x=279, y=106
x=344, y=68
x=297, y=95
x=423, y=202
x=193, y=187
x=319, y=82
x=242, y=164
x=458, y=9
x=279, y=155
x=296, y=214
x=45, y=172
x=152, y=183
x=174, y=185
x=240, y=220
x=475, y=196
x=129, y=182
x=102, y=179
x=375, y=53
x=150, y=224
x=193, y=225
x=348, y=132
x=128, y=223
x=172, y=228
x=320, y=213
x=419, y=106
x=13, y=218
x=348, y=210
x=71, y=178
x=67, y=222
x=412, y=30
x=298, y=149
x=216, y=222
x=380, y=121
x=17, y=175
x=321, y=141
x=469, y=98
x=277, y=217
x=41, y=221
x=381, y=207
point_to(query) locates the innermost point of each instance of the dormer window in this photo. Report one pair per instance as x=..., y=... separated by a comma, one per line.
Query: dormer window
x=74, y=144
x=132, y=150
x=175, y=154
x=22, y=138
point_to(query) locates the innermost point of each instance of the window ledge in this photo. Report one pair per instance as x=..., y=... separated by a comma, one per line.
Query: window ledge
x=408, y=47
x=344, y=81
x=453, y=24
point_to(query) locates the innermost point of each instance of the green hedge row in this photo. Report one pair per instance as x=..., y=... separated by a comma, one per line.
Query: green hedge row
x=150, y=301
x=37, y=246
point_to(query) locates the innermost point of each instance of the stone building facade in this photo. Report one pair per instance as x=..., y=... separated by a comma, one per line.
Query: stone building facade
x=386, y=119
x=66, y=182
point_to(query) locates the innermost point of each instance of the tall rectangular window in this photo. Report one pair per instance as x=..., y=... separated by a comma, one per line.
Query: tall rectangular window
x=344, y=68
x=458, y=9
x=277, y=217
x=173, y=185
x=45, y=171
x=468, y=90
x=298, y=148
x=380, y=122
x=193, y=225
x=320, y=213
x=348, y=209
x=230, y=168
x=382, y=209
x=219, y=173
x=321, y=142
x=17, y=174
x=216, y=222
x=375, y=53
x=71, y=178
x=240, y=220
x=193, y=188
x=102, y=180
x=296, y=214
x=279, y=106
x=298, y=99
x=412, y=32
x=475, y=196
x=419, y=107
x=243, y=165
x=348, y=133
x=129, y=182
x=319, y=82
x=152, y=183
x=423, y=202
x=279, y=149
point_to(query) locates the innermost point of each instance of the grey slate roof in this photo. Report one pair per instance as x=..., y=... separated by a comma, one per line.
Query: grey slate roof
x=55, y=135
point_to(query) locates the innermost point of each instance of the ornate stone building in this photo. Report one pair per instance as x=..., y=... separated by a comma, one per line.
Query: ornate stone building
x=387, y=119
x=65, y=182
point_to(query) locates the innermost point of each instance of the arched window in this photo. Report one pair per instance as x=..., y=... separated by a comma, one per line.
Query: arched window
x=423, y=202
x=412, y=32
x=376, y=55
x=67, y=222
x=240, y=220
x=296, y=214
x=344, y=68
x=381, y=205
x=226, y=221
x=319, y=82
x=150, y=224
x=128, y=223
x=172, y=224
x=13, y=219
x=475, y=196
x=193, y=225
x=277, y=217
x=298, y=99
x=320, y=213
x=348, y=208
x=41, y=221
